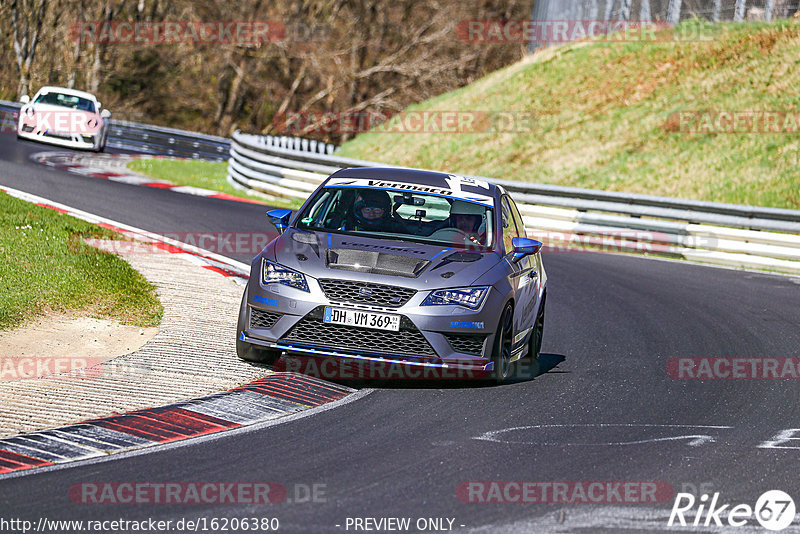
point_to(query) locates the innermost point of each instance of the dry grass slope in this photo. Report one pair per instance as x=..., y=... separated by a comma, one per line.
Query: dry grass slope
x=605, y=118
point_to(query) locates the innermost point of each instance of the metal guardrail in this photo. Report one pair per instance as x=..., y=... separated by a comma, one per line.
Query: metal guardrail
x=154, y=140
x=566, y=217
x=562, y=217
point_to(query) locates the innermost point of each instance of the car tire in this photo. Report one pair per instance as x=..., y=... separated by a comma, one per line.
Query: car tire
x=537, y=334
x=501, y=351
x=248, y=351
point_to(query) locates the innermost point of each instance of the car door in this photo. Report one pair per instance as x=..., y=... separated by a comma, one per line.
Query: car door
x=526, y=273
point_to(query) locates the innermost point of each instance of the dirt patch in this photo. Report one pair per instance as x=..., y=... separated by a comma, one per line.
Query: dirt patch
x=75, y=338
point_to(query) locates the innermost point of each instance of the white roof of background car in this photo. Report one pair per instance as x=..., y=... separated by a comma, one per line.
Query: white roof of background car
x=65, y=91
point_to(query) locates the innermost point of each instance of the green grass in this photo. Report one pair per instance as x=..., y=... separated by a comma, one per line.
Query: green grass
x=198, y=173
x=44, y=266
x=605, y=118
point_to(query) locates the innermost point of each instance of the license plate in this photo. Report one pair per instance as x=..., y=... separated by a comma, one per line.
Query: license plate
x=362, y=319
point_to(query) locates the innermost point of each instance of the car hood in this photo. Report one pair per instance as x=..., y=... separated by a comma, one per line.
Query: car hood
x=414, y=265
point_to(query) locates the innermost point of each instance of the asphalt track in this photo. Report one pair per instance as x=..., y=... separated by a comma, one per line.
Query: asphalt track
x=602, y=407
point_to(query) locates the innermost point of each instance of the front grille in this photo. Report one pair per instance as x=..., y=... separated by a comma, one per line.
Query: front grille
x=263, y=319
x=59, y=135
x=366, y=293
x=466, y=343
x=408, y=340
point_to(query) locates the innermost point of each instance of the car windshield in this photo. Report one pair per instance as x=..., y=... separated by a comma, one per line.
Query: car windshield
x=391, y=214
x=66, y=101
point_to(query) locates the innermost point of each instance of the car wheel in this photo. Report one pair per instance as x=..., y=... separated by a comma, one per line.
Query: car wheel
x=501, y=354
x=535, y=342
x=248, y=351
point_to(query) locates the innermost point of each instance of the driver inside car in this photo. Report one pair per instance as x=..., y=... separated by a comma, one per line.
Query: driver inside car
x=371, y=212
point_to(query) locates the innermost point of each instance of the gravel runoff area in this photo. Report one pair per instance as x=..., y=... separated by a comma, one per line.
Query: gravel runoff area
x=193, y=354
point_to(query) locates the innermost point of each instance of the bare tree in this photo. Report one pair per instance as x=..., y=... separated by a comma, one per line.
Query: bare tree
x=768, y=8
x=740, y=11
x=625, y=10
x=610, y=4
x=76, y=55
x=674, y=11
x=717, y=9
x=644, y=11
x=27, y=17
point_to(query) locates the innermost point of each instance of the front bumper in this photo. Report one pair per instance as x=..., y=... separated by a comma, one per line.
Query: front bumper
x=450, y=338
x=365, y=366
x=79, y=141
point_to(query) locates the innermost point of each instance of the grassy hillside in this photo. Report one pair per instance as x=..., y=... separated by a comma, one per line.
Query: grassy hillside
x=203, y=174
x=605, y=118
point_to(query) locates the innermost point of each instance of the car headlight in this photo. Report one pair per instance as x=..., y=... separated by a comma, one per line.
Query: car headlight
x=275, y=273
x=469, y=297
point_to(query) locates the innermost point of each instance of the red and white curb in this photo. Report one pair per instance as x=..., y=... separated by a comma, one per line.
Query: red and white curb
x=113, y=167
x=274, y=396
x=228, y=267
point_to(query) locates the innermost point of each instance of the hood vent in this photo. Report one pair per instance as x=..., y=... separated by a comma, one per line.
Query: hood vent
x=375, y=262
x=459, y=257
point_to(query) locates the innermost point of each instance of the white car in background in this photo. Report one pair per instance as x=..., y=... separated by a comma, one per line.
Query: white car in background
x=64, y=117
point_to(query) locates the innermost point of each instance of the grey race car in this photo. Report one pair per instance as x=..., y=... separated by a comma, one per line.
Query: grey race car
x=420, y=269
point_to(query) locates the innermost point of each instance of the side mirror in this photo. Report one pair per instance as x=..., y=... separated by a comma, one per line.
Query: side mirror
x=525, y=247
x=105, y=114
x=25, y=99
x=280, y=218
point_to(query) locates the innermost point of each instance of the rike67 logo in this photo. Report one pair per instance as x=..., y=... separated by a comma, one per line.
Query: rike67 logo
x=774, y=510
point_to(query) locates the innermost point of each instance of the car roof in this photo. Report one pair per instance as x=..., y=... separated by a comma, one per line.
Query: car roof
x=385, y=176
x=65, y=91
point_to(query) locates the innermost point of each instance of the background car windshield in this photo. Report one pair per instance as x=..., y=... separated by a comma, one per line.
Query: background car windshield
x=67, y=101
x=399, y=214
